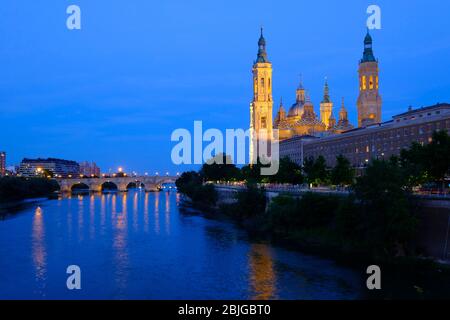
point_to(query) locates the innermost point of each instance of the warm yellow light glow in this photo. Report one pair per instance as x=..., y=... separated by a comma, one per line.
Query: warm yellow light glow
x=120, y=169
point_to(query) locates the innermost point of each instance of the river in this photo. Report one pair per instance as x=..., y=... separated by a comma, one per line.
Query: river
x=139, y=245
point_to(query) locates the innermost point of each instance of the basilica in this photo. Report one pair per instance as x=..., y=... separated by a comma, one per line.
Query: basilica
x=301, y=119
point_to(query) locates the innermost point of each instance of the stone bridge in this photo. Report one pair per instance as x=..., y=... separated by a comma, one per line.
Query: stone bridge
x=123, y=183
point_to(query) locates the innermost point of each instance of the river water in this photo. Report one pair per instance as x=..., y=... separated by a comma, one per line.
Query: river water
x=139, y=245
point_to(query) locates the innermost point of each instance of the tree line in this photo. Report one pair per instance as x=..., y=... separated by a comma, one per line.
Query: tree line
x=418, y=165
x=380, y=217
x=17, y=188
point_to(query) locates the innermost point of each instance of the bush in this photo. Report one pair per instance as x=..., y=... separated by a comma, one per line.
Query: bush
x=191, y=185
x=251, y=202
x=14, y=189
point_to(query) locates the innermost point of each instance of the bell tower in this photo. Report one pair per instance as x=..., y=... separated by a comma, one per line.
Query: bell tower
x=261, y=114
x=369, y=100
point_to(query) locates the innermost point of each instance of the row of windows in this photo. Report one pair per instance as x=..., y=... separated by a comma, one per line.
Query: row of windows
x=419, y=116
x=373, y=83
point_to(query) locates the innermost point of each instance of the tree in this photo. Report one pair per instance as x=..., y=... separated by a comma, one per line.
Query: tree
x=413, y=162
x=188, y=182
x=251, y=202
x=390, y=221
x=289, y=172
x=316, y=170
x=342, y=173
x=427, y=163
x=220, y=168
x=252, y=173
x=438, y=156
x=191, y=185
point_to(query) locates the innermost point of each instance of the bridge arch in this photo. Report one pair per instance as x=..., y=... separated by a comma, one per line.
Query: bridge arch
x=135, y=185
x=109, y=186
x=79, y=186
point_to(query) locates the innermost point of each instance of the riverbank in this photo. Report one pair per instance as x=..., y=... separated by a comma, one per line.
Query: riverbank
x=13, y=189
x=404, y=277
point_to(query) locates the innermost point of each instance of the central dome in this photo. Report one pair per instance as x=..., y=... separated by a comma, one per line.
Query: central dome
x=296, y=110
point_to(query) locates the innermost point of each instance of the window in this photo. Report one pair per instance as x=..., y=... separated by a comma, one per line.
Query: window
x=371, y=83
x=263, y=123
x=364, y=86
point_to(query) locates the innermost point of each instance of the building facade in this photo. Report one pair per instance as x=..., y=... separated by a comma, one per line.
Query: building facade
x=378, y=141
x=89, y=169
x=2, y=163
x=58, y=167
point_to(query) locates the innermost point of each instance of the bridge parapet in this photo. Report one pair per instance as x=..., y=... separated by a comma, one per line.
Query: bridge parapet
x=150, y=183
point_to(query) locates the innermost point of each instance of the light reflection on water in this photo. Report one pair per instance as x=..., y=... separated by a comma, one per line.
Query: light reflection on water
x=141, y=245
x=39, y=251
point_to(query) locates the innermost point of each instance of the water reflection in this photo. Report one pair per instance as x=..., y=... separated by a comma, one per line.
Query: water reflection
x=135, y=211
x=39, y=249
x=167, y=213
x=146, y=218
x=92, y=216
x=157, y=226
x=102, y=212
x=262, y=274
x=80, y=217
x=173, y=255
x=120, y=247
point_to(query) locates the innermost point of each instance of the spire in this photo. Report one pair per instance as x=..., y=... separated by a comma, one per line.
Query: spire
x=281, y=105
x=331, y=122
x=300, y=93
x=300, y=85
x=262, y=54
x=368, y=51
x=343, y=111
x=281, y=114
x=326, y=92
x=307, y=98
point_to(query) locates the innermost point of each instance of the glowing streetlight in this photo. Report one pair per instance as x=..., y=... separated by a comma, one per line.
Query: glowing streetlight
x=120, y=169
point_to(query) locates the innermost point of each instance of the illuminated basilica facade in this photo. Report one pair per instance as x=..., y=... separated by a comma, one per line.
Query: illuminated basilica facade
x=301, y=118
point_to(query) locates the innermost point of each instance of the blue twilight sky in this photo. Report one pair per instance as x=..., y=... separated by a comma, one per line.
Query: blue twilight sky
x=114, y=91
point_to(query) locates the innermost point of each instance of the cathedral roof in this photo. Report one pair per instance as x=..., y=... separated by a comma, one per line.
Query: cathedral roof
x=309, y=122
x=284, y=125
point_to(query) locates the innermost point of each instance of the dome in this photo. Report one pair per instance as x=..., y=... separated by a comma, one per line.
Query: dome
x=308, y=104
x=296, y=110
